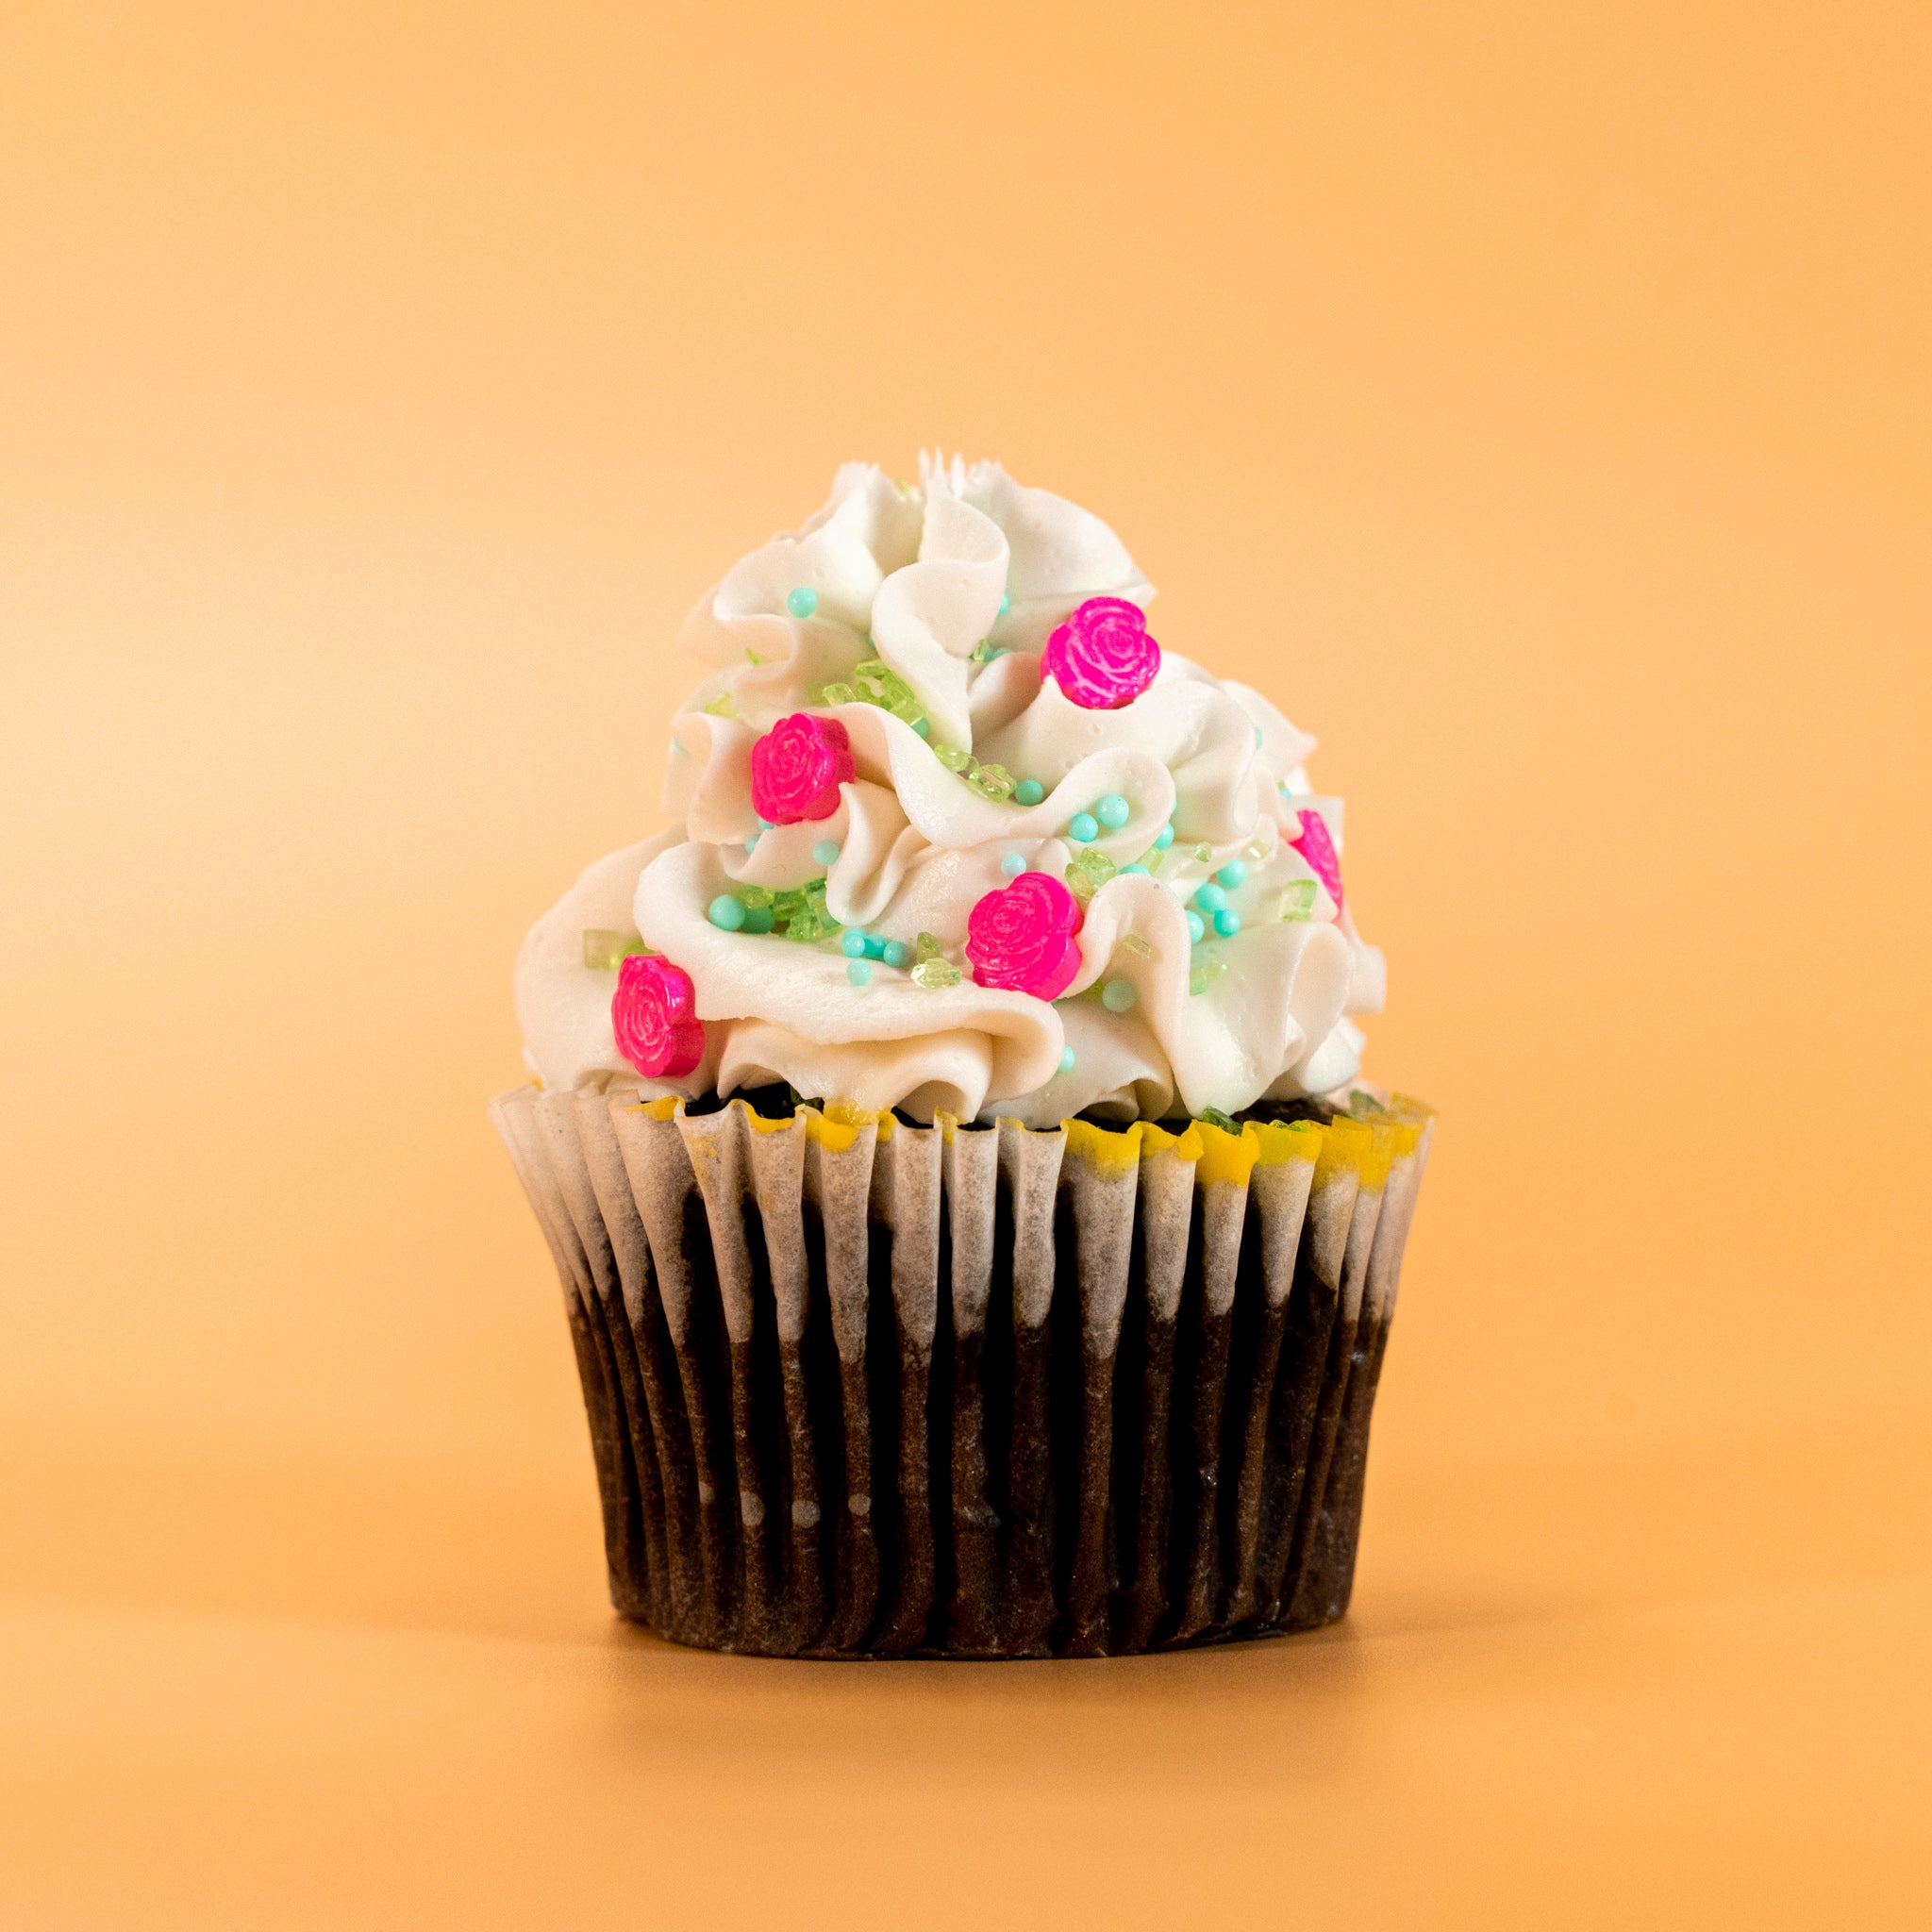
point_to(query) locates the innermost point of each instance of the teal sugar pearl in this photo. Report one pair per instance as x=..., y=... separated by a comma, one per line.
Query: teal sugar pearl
x=1197, y=928
x=1028, y=791
x=825, y=851
x=1117, y=996
x=727, y=913
x=1164, y=838
x=751, y=844
x=1012, y=865
x=1233, y=874
x=1141, y=869
x=875, y=945
x=758, y=919
x=802, y=602
x=1210, y=898
x=920, y=725
x=1113, y=810
x=852, y=943
x=1006, y=602
x=897, y=952
x=1066, y=1059
x=859, y=972
x=1083, y=827
x=1228, y=923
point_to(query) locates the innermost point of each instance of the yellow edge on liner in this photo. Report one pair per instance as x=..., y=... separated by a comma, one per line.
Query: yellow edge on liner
x=833, y=1136
x=838, y=1125
x=1379, y=1157
x=1283, y=1140
x=1369, y=1150
x=1226, y=1156
x=1344, y=1148
x=1156, y=1140
x=1112, y=1151
x=1222, y=1155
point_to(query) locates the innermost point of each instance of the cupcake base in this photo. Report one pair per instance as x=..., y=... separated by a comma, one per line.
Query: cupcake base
x=858, y=1389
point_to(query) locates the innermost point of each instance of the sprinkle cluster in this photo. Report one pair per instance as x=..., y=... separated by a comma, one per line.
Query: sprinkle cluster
x=874, y=682
x=1091, y=868
x=797, y=912
x=931, y=969
x=1210, y=897
x=1111, y=811
x=990, y=781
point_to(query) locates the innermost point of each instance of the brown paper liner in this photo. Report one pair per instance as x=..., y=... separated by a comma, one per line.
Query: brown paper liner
x=862, y=1389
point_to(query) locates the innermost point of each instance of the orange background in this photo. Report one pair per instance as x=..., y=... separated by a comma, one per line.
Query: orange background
x=1533, y=399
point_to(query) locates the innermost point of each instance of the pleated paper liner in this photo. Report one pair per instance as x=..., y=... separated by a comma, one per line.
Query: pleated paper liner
x=862, y=1389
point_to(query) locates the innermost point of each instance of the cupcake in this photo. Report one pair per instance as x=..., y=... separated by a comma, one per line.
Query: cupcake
x=976, y=1235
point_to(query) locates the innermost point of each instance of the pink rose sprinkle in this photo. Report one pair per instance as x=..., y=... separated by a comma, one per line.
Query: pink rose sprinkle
x=1318, y=848
x=654, y=1016
x=1101, y=657
x=1019, y=937
x=797, y=767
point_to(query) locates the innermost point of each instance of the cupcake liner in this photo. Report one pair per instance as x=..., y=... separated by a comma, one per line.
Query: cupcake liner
x=857, y=1388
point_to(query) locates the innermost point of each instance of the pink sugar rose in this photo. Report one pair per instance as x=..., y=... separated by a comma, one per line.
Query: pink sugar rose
x=797, y=767
x=1101, y=657
x=1318, y=848
x=1019, y=937
x=654, y=1014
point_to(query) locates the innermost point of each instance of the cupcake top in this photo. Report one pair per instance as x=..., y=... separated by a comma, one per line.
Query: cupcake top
x=955, y=833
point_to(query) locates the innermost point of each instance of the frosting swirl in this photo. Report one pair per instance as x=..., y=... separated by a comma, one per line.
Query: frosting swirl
x=955, y=834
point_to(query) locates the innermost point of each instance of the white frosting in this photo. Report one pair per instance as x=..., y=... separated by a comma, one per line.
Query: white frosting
x=915, y=577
